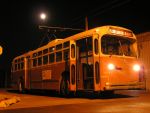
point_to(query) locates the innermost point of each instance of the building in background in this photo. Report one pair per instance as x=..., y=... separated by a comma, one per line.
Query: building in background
x=144, y=55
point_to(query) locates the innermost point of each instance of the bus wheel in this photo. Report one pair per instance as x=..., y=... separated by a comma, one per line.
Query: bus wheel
x=64, y=88
x=20, y=87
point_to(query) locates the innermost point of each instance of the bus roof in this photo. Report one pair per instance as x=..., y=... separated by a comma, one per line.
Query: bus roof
x=101, y=30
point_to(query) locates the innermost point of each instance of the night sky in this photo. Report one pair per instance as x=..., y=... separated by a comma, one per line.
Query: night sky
x=19, y=20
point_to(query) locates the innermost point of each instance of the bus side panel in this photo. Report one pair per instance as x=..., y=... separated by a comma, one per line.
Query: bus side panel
x=47, y=77
x=35, y=78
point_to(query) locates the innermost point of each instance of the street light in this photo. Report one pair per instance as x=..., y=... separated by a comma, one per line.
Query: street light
x=43, y=16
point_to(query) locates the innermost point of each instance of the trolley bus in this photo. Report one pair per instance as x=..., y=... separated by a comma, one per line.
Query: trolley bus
x=97, y=60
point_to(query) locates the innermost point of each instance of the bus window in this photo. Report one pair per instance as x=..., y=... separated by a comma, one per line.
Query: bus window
x=22, y=65
x=34, y=62
x=59, y=47
x=22, y=58
x=15, y=67
x=39, y=53
x=58, y=56
x=85, y=45
x=39, y=61
x=19, y=66
x=45, y=59
x=19, y=60
x=16, y=61
x=34, y=55
x=89, y=43
x=66, y=44
x=51, y=58
x=51, y=49
x=114, y=45
x=28, y=57
x=45, y=51
x=66, y=54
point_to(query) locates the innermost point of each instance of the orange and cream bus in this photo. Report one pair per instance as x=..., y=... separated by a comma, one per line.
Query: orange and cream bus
x=97, y=60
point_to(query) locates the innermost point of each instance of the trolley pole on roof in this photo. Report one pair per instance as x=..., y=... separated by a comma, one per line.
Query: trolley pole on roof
x=59, y=28
x=86, y=23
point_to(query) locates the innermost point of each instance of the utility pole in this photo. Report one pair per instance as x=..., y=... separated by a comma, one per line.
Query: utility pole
x=86, y=23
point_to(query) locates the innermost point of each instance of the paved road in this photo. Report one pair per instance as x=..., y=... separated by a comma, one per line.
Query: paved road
x=121, y=102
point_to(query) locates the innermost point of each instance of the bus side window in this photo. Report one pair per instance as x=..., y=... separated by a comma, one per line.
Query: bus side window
x=51, y=49
x=89, y=43
x=58, y=56
x=39, y=61
x=18, y=66
x=39, y=53
x=22, y=65
x=66, y=54
x=45, y=51
x=85, y=45
x=15, y=67
x=58, y=47
x=34, y=55
x=34, y=62
x=66, y=44
x=51, y=58
x=45, y=59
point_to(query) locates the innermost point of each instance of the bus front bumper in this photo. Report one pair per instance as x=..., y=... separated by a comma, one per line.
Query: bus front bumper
x=138, y=85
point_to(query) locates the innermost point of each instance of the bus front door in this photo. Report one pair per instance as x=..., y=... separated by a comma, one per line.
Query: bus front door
x=84, y=64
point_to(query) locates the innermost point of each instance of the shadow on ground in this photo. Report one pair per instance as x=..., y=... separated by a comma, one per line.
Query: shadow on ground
x=77, y=95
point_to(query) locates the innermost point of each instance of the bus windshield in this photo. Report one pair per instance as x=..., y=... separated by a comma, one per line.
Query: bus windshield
x=114, y=45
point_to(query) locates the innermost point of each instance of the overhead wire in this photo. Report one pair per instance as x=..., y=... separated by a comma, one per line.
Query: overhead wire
x=100, y=10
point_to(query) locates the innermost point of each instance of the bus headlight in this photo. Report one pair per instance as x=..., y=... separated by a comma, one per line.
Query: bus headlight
x=136, y=67
x=111, y=66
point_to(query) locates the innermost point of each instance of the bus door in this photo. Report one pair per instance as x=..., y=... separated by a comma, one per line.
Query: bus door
x=72, y=66
x=27, y=72
x=84, y=64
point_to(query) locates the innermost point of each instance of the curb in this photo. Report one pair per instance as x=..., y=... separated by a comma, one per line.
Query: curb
x=9, y=101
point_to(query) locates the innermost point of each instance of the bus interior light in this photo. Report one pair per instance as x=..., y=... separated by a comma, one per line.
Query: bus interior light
x=111, y=66
x=136, y=67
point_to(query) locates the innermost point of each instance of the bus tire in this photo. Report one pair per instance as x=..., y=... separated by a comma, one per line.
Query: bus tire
x=64, y=88
x=20, y=87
